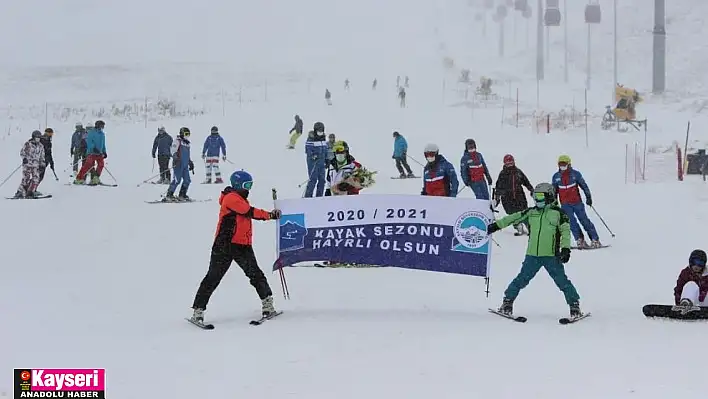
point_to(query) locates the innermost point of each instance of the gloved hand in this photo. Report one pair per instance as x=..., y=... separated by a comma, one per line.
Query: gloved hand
x=71, y=152
x=25, y=161
x=105, y=155
x=489, y=180
x=565, y=255
x=203, y=156
x=191, y=166
x=51, y=165
x=328, y=193
x=224, y=158
x=153, y=156
x=344, y=186
x=588, y=201
x=393, y=157
x=275, y=214
x=492, y=228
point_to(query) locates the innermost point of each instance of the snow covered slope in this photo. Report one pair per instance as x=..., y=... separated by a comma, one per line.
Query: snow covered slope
x=97, y=278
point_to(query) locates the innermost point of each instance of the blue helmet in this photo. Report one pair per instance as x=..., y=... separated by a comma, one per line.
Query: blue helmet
x=241, y=180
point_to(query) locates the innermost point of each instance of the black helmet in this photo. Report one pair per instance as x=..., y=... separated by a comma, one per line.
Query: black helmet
x=36, y=134
x=470, y=143
x=698, y=258
x=214, y=130
x=100, y=124
x=319, y=127
x=184, y=130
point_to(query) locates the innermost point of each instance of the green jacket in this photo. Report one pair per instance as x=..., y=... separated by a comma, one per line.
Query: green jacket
x=549, y=229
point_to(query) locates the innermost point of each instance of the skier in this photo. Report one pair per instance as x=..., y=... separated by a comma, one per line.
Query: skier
x=346, y=84
x=374, y=84
x=473, y=171
x=339, y=172
x=402, y=96
x=406, y=83
x=162, y=146
x=692, y=284
x=96, y=150
x=566, y=182
x=46, y=141
x=400, y=154
x=233, y=241
x=213, y=146
x=439, y=177
x=510, y=191
x=548, y=247
x=181, y=166
x=328, y=97
x=316, y=150
x=33, y=159
x=78, y=146
x=295, y=132
x=331, y=140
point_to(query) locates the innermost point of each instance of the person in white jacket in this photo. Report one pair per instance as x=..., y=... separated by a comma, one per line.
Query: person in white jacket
x=33, y=160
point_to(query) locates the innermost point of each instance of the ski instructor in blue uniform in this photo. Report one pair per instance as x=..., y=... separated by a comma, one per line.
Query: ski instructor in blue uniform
x=316, y=151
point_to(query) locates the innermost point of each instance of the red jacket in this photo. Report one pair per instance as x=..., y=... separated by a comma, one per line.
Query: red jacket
x=235, y=217
x=688, y=275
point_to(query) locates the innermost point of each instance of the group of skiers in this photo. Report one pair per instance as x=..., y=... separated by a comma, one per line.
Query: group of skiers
x=164, y=148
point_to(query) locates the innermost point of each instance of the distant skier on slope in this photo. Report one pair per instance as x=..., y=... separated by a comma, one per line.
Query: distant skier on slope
x=161, y=147
x=96, y=150
x=510, y=191
x=295, y=132
x=78, y=146
x=400, y=155
x=316, y=152
x=439, y=177
x=214, y=146
x=473, y=171
x=566, y=182
x=548, y=247
x=181, y=166
x=32, y=154
x=46, y=141
x=233, y=242
x=692, y=284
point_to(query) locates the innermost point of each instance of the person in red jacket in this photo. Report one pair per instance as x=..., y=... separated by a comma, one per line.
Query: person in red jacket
x=692, y=284
x=233, y=241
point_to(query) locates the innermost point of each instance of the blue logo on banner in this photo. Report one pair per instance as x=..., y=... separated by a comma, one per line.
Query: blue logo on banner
x=470, y=233
x=292, y=232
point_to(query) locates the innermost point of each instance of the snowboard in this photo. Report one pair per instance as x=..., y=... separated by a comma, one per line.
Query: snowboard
x=673, y=312
x=31, y=198
x=177, y=202
x=404, y=178
x=590, y=248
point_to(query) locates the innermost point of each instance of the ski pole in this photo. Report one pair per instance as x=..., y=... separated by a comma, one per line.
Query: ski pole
x=283, y=282
x=602, y=220
x=55, y=175
x=11, y=174
x=414, y=160
x=110, y=174
x=148, y=179
x=229, y=161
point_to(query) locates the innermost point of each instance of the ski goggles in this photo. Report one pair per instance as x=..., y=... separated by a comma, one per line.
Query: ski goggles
x=186, y=133
x=697, y=262
x=247, y=185
x=429, y=154
x=538, y=197
x=562, y=163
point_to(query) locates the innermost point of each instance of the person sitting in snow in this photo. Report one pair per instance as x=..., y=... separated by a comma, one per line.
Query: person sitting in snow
x=692, y=284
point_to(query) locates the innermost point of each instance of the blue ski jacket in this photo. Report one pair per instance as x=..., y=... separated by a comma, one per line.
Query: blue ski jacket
x=96, y=142
x=213, y=144
x=400, y=147
x=162, y=145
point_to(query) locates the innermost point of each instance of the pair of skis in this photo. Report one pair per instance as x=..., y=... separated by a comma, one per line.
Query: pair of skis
x=257, y=322
x=92, y=185
x=522, y=319
x=189, y=201
x=30, y=198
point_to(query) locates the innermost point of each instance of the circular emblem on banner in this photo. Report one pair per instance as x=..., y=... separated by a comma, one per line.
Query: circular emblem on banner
x=471, y=229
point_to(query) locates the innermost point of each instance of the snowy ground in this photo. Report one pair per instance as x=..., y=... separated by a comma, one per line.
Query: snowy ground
x=97, y=278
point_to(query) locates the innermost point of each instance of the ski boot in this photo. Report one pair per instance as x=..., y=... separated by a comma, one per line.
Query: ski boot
x=575, y=310
x=507, y=307
x=410, y=175
x=95, y=181
x=198, y=316
x=169, y=197
x=595, y=244
x=183, y=195
x=219, y=180
x=402, y=176
x=582, y=244
x=267, y=307
x=80, y=181
x=207, y=181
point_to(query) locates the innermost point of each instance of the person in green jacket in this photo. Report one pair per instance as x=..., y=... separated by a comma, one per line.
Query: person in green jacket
x=548, y=247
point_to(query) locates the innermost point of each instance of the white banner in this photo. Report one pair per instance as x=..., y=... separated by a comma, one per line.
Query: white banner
x=417, y=232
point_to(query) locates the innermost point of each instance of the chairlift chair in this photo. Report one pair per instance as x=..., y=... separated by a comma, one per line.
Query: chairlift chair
x=552, y=17
x=593, y=14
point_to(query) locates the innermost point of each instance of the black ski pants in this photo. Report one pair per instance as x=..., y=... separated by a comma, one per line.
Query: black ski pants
x=403, y=163
x=221, y=258
x=163, y=161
